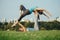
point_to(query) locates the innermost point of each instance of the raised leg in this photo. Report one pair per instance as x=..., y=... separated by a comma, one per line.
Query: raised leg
x=14, y=24
x=36, y=26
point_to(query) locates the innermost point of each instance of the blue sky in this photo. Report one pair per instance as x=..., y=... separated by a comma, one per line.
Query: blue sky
x=9, y=9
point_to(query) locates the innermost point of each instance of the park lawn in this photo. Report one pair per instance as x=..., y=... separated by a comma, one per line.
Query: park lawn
x=31, y=35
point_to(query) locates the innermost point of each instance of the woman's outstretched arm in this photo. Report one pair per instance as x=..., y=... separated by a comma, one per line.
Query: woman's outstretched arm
x=47, y=12
x=46, y=15
x=43, y=10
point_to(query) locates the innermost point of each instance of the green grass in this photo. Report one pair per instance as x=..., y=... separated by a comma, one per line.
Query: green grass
x=32, y=35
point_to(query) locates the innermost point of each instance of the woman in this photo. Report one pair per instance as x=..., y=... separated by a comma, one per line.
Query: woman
x=35, y=10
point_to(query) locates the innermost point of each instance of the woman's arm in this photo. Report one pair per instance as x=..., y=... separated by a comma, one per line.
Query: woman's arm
x=42, y=9
x=45, y=15
x=23, y=27
x=47, y=12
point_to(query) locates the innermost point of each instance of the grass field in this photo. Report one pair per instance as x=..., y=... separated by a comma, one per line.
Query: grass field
x=32, y=35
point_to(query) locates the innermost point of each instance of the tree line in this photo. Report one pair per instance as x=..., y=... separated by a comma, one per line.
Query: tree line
x=54, y=25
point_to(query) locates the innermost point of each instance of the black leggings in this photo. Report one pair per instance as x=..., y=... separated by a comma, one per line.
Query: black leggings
x=27, y=12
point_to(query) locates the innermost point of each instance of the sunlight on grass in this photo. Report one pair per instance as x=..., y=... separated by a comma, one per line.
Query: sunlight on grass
x=32, y=35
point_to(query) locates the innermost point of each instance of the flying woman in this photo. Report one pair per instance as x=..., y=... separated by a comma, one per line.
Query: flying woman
x=25, y=12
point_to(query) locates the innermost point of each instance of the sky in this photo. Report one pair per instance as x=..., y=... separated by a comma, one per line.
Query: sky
x=9, y=9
